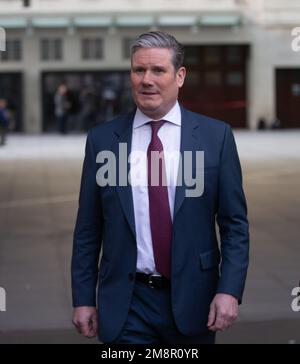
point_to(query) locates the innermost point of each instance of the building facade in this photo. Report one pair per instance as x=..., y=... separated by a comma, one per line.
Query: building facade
x=242, y=56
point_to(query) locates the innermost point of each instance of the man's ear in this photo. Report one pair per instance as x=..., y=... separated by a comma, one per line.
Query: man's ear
x=180, y=76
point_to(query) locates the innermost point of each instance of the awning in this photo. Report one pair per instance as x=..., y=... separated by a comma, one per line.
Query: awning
x=92, y=22
x=135, y=21
x=50, y=22
x=209, y=20
x=177, y=20
x=13, y=23
x=220, y=20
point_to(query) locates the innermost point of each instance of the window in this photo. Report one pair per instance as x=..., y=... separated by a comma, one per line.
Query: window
x=192, y=78
x=13, y=50
x=91, y=48
x=192, y=56
x=234, y=78
x=213, y=78
x=295, y=89
x=234, y=54
x=212, y=55
x=51, y=49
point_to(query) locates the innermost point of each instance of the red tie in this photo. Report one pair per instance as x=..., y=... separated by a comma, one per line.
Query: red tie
x=159, y=208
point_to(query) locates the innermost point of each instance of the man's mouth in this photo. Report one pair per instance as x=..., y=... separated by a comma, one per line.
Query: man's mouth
x=148, y=93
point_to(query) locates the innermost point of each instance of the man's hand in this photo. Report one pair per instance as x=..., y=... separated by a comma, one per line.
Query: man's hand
x=223, y=312
x=85, y=319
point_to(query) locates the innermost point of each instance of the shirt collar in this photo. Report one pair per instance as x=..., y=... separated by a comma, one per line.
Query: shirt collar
x=173, y=116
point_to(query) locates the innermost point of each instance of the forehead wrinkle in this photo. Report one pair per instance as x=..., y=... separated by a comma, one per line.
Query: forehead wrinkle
x=152, y=56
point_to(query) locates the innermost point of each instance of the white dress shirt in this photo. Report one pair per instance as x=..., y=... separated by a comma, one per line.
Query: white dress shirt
x=170, y=135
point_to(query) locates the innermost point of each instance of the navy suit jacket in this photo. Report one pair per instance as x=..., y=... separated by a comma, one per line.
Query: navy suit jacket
x=201, y=267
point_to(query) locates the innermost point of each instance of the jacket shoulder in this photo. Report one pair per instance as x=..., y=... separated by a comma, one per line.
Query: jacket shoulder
x=207, y=122
x=108, y=127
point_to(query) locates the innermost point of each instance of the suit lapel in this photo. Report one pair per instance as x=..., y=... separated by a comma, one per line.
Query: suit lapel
x=189, y=142
x=124, y=135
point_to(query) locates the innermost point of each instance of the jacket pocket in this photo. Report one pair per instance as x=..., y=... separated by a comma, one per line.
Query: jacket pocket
x=210, y=259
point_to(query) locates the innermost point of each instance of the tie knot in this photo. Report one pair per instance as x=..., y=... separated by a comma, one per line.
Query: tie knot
x=155, y=125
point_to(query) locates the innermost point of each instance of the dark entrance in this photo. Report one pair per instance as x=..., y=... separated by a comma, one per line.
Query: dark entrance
x=288, y=97
x=216, y=82
x=11, y=91
x=93, y=97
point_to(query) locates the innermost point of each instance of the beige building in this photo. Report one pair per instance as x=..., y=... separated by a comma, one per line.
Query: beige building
x=243, y=58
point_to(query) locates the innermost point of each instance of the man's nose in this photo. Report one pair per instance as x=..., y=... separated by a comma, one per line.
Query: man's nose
x=147, y=79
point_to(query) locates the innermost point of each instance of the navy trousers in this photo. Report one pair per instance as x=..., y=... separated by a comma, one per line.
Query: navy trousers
x=150, y=320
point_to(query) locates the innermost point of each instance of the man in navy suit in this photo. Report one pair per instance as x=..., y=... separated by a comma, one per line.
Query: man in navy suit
x=163, y=276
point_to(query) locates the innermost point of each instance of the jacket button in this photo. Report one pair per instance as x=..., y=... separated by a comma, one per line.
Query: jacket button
x=130, y=276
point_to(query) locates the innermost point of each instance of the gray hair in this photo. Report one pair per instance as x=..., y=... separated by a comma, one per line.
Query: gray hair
x=159, y=39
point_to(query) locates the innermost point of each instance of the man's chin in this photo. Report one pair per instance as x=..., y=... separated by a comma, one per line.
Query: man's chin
x=148, y=108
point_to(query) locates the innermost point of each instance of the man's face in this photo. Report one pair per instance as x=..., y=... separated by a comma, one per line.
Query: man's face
x=2, y=104
x=62, y=89
x=155, y=83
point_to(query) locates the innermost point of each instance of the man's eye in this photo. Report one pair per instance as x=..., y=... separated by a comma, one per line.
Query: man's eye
x=139, y=70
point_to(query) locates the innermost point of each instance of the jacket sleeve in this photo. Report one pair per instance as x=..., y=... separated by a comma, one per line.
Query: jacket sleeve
x=87, y=234
x=232, y=221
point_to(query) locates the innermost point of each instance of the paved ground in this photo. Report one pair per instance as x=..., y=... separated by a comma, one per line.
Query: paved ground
x=39, y=182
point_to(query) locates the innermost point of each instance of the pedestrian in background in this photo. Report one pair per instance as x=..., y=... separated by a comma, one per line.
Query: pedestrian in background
x=4, y=121
x=62, y=107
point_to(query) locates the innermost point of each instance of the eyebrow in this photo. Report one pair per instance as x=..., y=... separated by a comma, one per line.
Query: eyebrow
x=156, y=66
x=159, y=66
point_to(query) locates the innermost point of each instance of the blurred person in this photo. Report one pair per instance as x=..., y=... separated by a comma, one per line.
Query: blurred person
x=88, y=108
x=62, y=106
x=126, y=100
x=109, y=98
x=73, y=110
x=4, y=121
x=162, y=278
